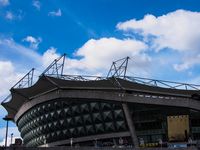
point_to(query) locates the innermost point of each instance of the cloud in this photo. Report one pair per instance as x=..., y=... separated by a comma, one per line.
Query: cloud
x=98, y=53
x=4, y=2
x=188, y=62
x=13, y=130
x=178, y=30
x=36, y=4
x=10, y=49
x=8, y=76
x=96, y=56
x=49, y=56
x=15, y=61
x=9, y=15
x=57, y=13
x=34, y=42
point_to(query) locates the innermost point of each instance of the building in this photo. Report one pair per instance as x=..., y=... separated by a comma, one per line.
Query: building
x=74, y=110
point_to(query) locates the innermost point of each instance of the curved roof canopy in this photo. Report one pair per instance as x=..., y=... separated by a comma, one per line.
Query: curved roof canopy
x=53, y=79
x=46, y=84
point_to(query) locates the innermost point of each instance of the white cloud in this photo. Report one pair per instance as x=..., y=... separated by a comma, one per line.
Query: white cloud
x=98, y=53
x=18, y=15
x=96, y=56
x=37, y=4
x=8, y=76
x=4, y=2
x=49, y=56
x=30, y=39
x=57, y=13
x=9, y=15
x=34, y=42
x=15, y=61
x=9, y=46
x=178, y=30
x=187, y=62
x=13, y=130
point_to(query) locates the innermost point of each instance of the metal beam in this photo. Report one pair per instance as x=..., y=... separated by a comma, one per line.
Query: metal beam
x=118, y=68
x=56, y=68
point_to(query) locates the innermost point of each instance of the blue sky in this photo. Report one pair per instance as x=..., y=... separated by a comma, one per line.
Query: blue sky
x=161, y=37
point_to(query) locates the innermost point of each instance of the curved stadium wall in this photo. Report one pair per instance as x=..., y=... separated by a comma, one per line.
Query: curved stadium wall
x=66, y=118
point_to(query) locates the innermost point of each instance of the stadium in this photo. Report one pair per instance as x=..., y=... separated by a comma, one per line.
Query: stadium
x=64, y=110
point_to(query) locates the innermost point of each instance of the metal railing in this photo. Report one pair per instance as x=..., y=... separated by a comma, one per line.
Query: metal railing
x=140, y=80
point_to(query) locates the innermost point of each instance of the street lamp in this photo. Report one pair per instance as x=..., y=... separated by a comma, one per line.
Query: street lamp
x=11, y=138
x=7, y=119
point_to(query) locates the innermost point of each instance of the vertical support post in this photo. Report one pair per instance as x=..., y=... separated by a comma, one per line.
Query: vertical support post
x=11, y=138
x=7, y=119
x=63, y=65
x=127, y=58
x=32, y=76
x=6, y=133
x=131, y=125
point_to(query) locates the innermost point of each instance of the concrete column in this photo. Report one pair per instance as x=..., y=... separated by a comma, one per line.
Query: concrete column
x=131, y=125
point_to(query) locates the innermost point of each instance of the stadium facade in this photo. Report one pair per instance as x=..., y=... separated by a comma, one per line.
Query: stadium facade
x=62, y=109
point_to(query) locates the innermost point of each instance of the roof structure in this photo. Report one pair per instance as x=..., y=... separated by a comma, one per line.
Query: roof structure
x=55, y=80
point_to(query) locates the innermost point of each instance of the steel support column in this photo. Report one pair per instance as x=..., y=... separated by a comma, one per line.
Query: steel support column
x=6, y=133
x=7, y=119
x=131, y=125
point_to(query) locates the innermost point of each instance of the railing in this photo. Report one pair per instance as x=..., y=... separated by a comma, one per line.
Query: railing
x=79, y=77
x=163, y=83
x=140, y=80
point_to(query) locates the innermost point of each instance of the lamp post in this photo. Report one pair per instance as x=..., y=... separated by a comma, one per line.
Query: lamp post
x=7, y=119
x=11, y=138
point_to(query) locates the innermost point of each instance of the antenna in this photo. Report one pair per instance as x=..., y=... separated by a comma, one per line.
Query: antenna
x=119, y=68
x=26, y=81
x=56, y=67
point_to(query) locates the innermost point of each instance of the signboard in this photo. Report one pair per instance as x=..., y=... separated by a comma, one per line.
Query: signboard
x=178, y=127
